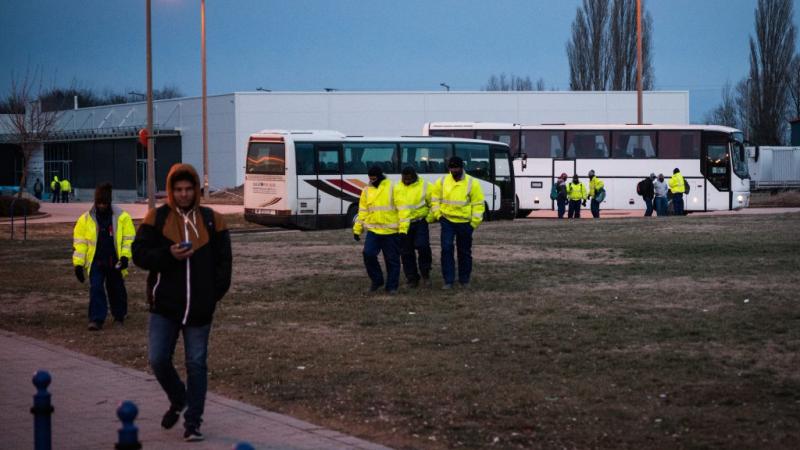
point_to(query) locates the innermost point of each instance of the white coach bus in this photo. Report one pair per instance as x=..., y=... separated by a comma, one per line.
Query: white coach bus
x=313, y=179
x=711, y=158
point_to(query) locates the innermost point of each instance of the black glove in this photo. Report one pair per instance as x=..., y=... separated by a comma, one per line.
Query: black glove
x=583, y=203
x=356, y=237
x=79, y=274
x=123, y=263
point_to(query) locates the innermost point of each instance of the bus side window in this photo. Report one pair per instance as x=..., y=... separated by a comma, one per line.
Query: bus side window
x=304, y=158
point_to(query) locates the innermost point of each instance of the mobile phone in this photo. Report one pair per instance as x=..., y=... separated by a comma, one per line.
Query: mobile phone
x=185, y=244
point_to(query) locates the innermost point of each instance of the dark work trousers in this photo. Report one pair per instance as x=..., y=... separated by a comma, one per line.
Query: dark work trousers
x=64, y=197
x=416, y=244
x=562, y=207
x=461, y=233
x=677, y=203
x=648, y=203
x=104, y=279
x=595, y=207
x=55, y=196
x=574, y=209
x=389, y=244
x=162, y=339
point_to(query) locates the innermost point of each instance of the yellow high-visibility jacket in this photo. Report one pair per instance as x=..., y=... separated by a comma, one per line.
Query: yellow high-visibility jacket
x=413, y=202
x=457, y=201
x=66, y=186
x=677, y=183
x=376, y=210
x=576, y=191
x=53, y=184
x=595, y=184
x=84, y=237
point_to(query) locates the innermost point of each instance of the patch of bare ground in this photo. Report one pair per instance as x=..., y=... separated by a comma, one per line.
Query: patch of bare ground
x=774, y=199
x=627, y=333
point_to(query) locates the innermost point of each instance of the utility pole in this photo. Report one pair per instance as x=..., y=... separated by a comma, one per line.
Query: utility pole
x=639, y=117
x=205, y=99
x=151, y=163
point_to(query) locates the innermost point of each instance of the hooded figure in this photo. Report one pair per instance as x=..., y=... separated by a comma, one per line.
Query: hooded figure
x=187, y=249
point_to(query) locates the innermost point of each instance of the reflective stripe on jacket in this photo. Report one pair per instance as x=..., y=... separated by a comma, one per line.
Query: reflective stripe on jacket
x=457, y=201
x=576, y=191
x=676, y=183
x=595, y=184
x=376, y=210
x=84, y=237
x=413, y=202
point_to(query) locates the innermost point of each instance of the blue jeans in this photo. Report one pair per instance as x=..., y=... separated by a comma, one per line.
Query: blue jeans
x=677, y=204
x=389, y=244
x=648, y=203
x=417, y=241
x=562, y=207
x=163, y=337
x=595, y=207
x=462, y=234
x=106, y=279
x=661, y=206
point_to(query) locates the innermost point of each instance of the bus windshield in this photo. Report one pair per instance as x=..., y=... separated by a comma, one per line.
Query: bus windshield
x=739, y=159
x=266, y=157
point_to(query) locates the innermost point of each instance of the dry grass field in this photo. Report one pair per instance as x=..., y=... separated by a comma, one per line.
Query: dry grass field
x=662, y=333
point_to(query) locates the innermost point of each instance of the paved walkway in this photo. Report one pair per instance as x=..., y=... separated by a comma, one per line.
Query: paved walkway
x=86, y=392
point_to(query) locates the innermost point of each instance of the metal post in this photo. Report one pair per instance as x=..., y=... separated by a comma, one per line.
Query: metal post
x=151, y=163
x=639, y=118
x=128, y=435
x=205, y=105
x=42, y=410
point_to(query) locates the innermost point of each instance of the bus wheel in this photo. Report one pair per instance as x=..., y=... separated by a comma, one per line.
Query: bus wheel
x=352, y=214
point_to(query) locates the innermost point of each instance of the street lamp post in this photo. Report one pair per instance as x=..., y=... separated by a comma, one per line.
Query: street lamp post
x=446, y=86
x=639, y=116
x=205, y=99
x=151, y=169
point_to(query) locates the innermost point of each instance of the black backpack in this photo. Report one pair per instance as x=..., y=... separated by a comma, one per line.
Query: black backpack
x=640, y=188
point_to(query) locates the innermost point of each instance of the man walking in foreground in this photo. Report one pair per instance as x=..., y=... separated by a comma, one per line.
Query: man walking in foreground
x=187, y=249
x=412, y=197
x=102, y=241
x=457, y=203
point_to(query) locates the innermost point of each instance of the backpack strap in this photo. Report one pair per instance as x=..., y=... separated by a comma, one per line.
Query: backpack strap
x=208, y=219
x=161, y=217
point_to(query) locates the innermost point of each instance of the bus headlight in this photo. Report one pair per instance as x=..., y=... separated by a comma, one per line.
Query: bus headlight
x=694, y=199
x=740, y=198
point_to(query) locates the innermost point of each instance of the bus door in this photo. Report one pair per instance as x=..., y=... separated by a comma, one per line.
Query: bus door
x=501, y=174
x=305, y=162
x=329, y=184
x=561, y=166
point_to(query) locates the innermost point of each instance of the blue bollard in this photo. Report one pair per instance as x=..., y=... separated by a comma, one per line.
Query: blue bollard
x=243, y=446
x=41, y=410
x=128, y=434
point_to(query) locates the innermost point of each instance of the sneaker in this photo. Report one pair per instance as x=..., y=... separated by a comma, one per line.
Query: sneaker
x=413, y=283
x=171, y=417
x=374, y=288
x=465, y=285
x=193, y=434
x=95, y=326
x=447, y=287
x=426, y=281
x=392, y=292
x=119, y=323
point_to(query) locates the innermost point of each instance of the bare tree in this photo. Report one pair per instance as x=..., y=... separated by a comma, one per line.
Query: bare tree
x=622, y=47
x=168, y=91
x=794, y=88
x=509, y=83
x=27, y=122
x=771, y=54
x=727, y=112
x=587, y=50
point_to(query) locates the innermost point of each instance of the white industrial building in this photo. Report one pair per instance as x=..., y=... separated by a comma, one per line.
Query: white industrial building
x=99, y=143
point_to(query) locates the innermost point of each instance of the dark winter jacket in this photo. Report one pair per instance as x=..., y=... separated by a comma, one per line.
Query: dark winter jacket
x=208, y=269
x=647, y=188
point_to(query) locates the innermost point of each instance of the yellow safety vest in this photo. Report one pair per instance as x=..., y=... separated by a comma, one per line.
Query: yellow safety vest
x=458, y=201
x=576, y=191
x=84, y=238
x=676, y=184
x=53, y=184
x=595, y=184
x=376, y=210
x=412, y=202
x=65, y=185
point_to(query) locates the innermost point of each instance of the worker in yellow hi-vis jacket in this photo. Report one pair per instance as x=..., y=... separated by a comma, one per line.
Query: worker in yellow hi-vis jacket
x=457, y=203
x=378, y=216
x=412, y=197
